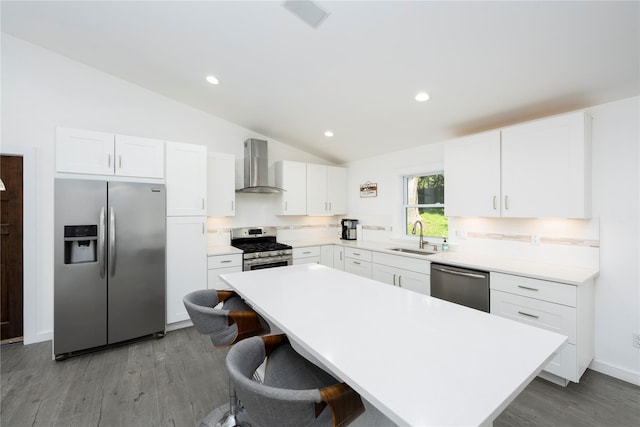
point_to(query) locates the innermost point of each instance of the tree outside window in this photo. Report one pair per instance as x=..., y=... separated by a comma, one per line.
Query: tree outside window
x=424, y=201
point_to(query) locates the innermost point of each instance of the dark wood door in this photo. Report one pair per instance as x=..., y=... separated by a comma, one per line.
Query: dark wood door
x=11, y=322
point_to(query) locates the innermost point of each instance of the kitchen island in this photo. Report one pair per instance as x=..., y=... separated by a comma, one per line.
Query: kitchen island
x=419, y=360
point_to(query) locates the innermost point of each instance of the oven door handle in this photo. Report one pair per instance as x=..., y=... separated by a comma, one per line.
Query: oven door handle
x=459, y=273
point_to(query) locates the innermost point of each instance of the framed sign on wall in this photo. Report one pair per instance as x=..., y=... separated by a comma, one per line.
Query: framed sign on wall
x=369, y=189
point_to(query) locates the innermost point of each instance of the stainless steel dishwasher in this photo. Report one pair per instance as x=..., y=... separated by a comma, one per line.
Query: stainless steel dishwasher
x=460, y=285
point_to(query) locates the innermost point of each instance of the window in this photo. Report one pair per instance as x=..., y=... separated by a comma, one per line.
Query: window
x=424, y=201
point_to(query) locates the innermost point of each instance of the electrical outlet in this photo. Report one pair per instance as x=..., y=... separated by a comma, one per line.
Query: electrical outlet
x=535, y=239
x=636, y=340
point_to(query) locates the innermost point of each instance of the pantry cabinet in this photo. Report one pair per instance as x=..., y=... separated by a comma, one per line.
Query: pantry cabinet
x=326, y=190
x=291, y=177
x=221, y=184
x=186, y=179
x=539, y=169
x=89, y=152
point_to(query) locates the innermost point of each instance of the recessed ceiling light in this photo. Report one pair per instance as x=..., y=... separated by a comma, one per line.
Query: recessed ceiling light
x=328, y=134
x=213, y=80
x=422, y=96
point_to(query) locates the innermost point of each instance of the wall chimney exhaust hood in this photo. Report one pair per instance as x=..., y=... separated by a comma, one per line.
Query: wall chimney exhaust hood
x=256, y=172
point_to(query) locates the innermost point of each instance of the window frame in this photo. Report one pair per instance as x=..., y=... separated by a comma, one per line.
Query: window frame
x=406, y=205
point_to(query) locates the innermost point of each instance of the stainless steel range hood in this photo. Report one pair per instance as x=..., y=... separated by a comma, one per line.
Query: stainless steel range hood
x=256, y=172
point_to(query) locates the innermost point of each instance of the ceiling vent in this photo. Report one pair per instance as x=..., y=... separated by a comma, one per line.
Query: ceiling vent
x=306, y=10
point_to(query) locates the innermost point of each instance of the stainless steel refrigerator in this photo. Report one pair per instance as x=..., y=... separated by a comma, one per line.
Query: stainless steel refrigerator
x=109, y=263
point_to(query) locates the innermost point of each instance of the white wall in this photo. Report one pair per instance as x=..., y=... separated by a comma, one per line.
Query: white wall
x=42, y=90
x=614, y=227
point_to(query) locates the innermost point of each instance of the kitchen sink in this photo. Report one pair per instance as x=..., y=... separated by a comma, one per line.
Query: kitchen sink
x=412, y=251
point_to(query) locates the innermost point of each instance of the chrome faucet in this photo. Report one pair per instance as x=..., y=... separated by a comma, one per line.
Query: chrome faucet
x=422, y=242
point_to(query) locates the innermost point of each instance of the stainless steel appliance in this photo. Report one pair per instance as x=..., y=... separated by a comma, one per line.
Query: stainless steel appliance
x=349, y=227
x=260, y=249
x=460, y=285
x=256, y=168
x=109, y=277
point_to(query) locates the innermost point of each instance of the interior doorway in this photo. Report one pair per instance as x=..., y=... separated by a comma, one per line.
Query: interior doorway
x=11, y=249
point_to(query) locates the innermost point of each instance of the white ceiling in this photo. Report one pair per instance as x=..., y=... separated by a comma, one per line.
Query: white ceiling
x=485, y=64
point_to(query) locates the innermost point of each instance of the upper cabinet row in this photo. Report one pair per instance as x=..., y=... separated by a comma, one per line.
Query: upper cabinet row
x=534, y=170
x=311, y=189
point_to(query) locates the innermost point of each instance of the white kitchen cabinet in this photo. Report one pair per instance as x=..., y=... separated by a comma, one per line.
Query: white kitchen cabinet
x=222, y=264
x=338, y=257
x=539, y=169
x=404, y=272
x=558, y=307
x=186, y=179
x=186, y=262
x=221, y=184
x=292, y=177
x=306, y=255
x=89, y=152
x=546, y=168
x=472, y=175
x=326, y=190
x=326, y=255
x=358, y=261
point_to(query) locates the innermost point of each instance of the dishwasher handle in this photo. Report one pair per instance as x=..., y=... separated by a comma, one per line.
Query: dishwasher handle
x=459, y=273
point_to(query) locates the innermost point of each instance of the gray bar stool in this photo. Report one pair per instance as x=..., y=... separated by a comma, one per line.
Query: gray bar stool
x=294, y=393
x=225, y=325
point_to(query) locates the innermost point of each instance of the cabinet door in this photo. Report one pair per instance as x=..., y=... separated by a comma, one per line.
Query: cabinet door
x=472, y=175
x=337, y=190
x=338, y=257
x=417, y=282
x=186, y=179
x=83, y=151
x=186, y=262
x=221, y=184
x=384, y=274
x=361, y=268
x=326, y=255
x=545, y=168
x=213, y=277
x=292, y=177
x=140, y=157
x=317, y=203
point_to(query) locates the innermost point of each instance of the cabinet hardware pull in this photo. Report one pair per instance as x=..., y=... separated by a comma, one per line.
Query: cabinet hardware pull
x=329, y=205
x=528, y=315
x=203, y=203
x=306, y=252
x=108, y=160
x=400, y=281
x=119, y=162
x=226, y=261
x=506, y=202
x=394, y=279
x=528, y=288
x=232, y=206
x=286, y=206
x=494, y=203
x=356, y=262
x=356, y=254
x=203, y=228
x=340, y=255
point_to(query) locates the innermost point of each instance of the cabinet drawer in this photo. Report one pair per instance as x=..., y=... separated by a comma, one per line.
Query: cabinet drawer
x=555, y=292
x=223, y=261
x=404, y=262
x=357, y=254
x=552, y=317
x=355, y=266
x=309, y=251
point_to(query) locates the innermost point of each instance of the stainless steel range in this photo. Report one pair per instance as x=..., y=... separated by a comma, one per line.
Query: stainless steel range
x=260, y=248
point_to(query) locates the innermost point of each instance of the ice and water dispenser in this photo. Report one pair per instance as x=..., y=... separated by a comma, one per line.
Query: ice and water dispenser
x=80, y=244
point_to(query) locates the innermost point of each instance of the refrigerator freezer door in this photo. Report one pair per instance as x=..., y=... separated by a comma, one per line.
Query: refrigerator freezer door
x=136, y=297
x=80, y=294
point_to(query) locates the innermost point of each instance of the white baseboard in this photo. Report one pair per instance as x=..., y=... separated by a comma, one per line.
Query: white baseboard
x=616, y=372
x=178, y=325
x=38, y=337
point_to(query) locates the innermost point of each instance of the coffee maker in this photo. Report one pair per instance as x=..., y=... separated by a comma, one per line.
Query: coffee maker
x=349, y=229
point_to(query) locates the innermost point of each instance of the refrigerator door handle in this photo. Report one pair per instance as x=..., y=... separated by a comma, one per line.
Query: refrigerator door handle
x=101, y=255
x=112, y=242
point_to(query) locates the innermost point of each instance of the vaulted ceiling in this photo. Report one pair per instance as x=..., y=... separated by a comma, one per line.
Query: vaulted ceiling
x=484, y=64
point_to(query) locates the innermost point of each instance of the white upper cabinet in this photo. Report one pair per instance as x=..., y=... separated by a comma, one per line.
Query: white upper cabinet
x=89, y=152
x=140, y=157
x=84, y=151
x=221, y=184
x=546, y=168
x=292, y=177
x=472, y=175
x=326, y=190
x=186, y=179
x=539, y=169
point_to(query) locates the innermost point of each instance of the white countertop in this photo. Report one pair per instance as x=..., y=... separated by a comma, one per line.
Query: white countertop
x=420, y=360
x=546, y=271
x=222, y=250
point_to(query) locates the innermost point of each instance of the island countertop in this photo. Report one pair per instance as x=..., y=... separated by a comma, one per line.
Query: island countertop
x=420, y=360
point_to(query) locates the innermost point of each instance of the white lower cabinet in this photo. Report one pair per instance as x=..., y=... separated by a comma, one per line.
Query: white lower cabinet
x=404, y=272
x=557, y=307
x=222, y=264
x=326, y=255
x=358, y=261
x=338, y=257
x=186, y=262
x=306, y=255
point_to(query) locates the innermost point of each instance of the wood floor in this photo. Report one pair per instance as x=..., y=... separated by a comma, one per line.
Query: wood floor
x=178, y=380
